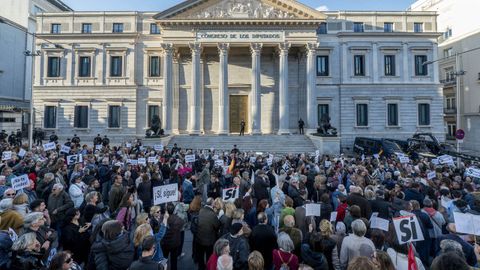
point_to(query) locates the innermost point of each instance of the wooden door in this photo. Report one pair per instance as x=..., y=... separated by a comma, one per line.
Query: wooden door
x=238, y=112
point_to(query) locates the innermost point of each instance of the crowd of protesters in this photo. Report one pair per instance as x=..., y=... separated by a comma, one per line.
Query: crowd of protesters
x=98, y=212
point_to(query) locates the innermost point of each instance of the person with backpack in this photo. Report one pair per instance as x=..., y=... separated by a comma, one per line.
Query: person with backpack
x=239, y=247
x=283, y=258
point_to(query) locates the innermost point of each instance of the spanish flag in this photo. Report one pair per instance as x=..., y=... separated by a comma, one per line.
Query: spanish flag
x=231, y=166
x=381, y=152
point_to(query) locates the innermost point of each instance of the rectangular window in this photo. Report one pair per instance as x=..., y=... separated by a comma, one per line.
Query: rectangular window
x=389, y=65
x=358, y=27
x=154, y=66
x=448, y=52
x=7, y=120
x=81, y=117
x=322, y=65
x=452, y=129
x=392, y=114
x=117, y=28
x=154, y=29
x=56, y=28
x=362, y=115
x=388, y=27
x=86, y=28
x=84, y=68
x=114, y=116
x=418, y=27
x=451, y=103
x=322, y=29
x=50, y=117
x=152, y=111
x=424, y=114
x=53, y=69
x=116, y=66
x=323, y=111
x=359, y=65
x=421, y=69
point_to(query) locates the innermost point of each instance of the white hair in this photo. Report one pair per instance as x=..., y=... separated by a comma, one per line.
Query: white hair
x=285, y=242
x=225, y=262
x=359, y=228
x=6, y=204
x=58, y=186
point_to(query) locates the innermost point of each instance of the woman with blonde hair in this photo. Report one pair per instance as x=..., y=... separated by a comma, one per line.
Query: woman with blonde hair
x=145, y=230
x=20, y=204
x=155, y=217
x=227, y=217
x=255, y=261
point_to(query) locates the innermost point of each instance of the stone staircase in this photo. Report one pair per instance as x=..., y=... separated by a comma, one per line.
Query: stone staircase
x=265, y=143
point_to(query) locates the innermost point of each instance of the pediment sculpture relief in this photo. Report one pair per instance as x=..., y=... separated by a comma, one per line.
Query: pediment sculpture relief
x=242, y=9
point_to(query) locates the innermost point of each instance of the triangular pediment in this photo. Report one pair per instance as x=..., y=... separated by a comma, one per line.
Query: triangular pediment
x=240, y=10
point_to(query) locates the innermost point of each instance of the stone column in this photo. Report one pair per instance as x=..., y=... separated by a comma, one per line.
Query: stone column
x=167, y=97
x=283, y=90
x=311, y=85
x=375, y=71
x=405, y=54
x=194, y=115
x=223, y=89
x=256, y=50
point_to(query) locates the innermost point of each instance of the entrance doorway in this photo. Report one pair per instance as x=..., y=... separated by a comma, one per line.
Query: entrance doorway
x=238, y=112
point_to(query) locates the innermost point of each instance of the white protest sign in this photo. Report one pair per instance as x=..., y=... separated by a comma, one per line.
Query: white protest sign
x=285, y=166
x=225, y=169
x=7, y=155
x=399, y=154
x=230, y=194
x=312, y=209
x=49, y=146
x=158, y=147
x=128, y=145
x=431, y=175
x=333, y=216
x=98, y=147
x=152, y=160
x=404, y=159
x=215, y=157
x=317, y=153
x=22, y=152
x=379, y=223
x=269, y=161
x=73, y=159
x=165, y=194
x=270, y=156
x=65, y=149
x=435, y=161
x=259, y=153
x=376, y=156
x=445, y=159
x=20, y=182
x=219, y=162
x=466, y=223
x=142, y=161
x=328, y=163
x=374, y=215
x=190, y=158
x=407, y=229
x=473, y=172
x=253, y=159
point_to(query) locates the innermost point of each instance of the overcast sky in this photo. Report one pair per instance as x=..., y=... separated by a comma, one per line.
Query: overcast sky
x=160, y=5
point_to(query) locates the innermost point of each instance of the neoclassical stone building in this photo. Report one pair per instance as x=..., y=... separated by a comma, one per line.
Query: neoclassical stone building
x=204, y=65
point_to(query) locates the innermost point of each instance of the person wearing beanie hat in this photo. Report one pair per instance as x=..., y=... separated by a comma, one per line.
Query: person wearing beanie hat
x=239, y=247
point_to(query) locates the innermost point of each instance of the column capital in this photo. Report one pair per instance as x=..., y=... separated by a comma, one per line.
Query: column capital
x=167, y=47
x=223, y=48
x=195, y=47
x=284, y=47
x=256, y=48
x=312, y=46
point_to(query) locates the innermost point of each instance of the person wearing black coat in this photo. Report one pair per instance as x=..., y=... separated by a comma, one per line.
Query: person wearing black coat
x=146, y=262
x=75, y=237
x=354, y=198
x=260, y=187
x=172, y=239
x=413, y=193
x=207, y=233
x=239, y=248
x=264, y=240
x=379, y=205
x=144, y=192
x=115, y=250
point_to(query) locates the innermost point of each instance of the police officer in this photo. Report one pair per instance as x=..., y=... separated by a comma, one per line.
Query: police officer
x=242, y=128
x=40, y=134
x=301, y=124
x=19, y=137
x=105, y=141
x=12, y=139
x=76, y=139
x=97, y=140
x=54, y=137
x=3, y=136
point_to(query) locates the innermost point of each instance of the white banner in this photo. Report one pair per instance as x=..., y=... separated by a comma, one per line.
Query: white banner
x=158, y=147
x=269, y=161
x=467, y=223
x=98, y=147
x=20, y=182
x=404, y=159
x=132, y=161
x=333, y=216
x=142, y=161
x=230, y=194
x=6, y=155
x=73, y=159
x=312, y=209
x=379, y=223
x=153, y=160
x=49, y=146
x=435, y=161
x=431, y=175
x=407, y=229
x=190, y=158
x=328, y=164
x=253, y=159
x=445, y=159
x=219, y=162
x=22, y=152
x=65, y=149
x=473, y=172
x=165, y=194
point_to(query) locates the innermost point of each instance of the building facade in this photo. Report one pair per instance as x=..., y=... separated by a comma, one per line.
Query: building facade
x=204, y=66
x=457, y=20
x=18, y=18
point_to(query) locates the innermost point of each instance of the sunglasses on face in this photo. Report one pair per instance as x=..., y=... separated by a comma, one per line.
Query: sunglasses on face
x=10, y=194
x=68, y=260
